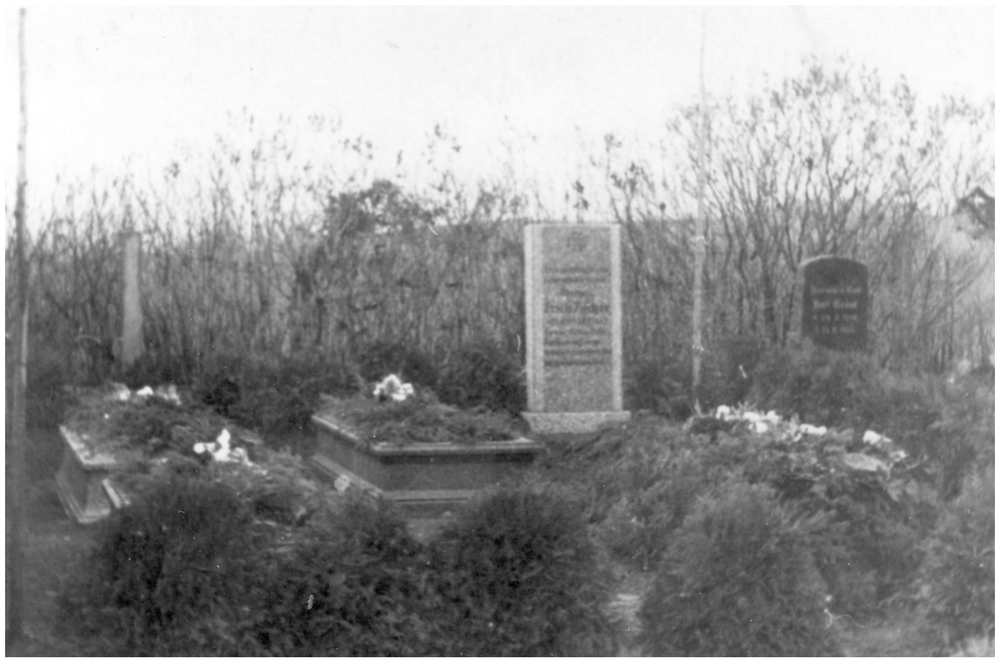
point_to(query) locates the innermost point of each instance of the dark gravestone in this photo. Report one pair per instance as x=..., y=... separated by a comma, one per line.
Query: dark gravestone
x=835, y=303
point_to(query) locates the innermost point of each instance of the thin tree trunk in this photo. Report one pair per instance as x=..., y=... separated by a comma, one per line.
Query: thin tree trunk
x=16, y=439
x=699, y=239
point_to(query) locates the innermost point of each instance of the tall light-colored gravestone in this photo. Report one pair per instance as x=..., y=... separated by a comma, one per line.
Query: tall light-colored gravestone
x=132, y=345
x=574, y=326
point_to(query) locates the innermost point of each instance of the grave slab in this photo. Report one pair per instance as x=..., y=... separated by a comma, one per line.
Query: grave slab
x=419, y=477
x=83, y=481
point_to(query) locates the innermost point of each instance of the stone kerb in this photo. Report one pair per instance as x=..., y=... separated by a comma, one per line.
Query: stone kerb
x=574, y=326
x=835, y=302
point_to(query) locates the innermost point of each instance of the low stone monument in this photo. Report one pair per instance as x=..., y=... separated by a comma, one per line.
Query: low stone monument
x=574, y=326
x=835, y=302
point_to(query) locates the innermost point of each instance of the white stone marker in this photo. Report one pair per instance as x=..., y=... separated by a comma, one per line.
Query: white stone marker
x=132, y=343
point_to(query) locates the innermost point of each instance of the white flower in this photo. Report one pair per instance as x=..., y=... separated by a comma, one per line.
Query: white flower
x=169, y=393
x=872, y=438
x=220, y=450
x=145, y=392
x=760, y=426
x=811, y=430
x=723, y=413
x=391, y=387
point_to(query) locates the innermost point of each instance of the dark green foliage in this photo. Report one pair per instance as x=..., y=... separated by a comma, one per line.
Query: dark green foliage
x=175, y=573
x=381, y=358
x=656, y=490
x=957, y=587
x=423, y=419
x=47, y=400
x=153, y=369
x=961, y=438
x=519, y=577
x=737, y=580
x=273, y=397
x=660, y=388
x=663, y=386
x=945, y=427
x=483, y=375
x=46, y=397
x=648, y=473
x=737, y=366
x=354, y=585
x=146, y=426
x=276, y=488
x=822, y=386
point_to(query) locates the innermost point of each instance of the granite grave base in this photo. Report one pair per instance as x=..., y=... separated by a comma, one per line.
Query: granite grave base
x=83, y=481
x=422, y=478
x=551, y=423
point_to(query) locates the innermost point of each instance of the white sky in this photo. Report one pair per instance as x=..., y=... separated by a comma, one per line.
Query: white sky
x=109, y=82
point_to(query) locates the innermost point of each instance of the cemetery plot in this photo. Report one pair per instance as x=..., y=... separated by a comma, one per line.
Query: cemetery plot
x=116, y=434
x=419, y=475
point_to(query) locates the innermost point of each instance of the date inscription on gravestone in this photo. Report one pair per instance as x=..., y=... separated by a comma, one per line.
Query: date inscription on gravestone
x=835, y=303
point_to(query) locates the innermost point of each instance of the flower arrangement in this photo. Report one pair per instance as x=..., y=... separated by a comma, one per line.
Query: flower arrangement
x=878, y=452
x=141, y=424
x=393, y=388
x=220, y=450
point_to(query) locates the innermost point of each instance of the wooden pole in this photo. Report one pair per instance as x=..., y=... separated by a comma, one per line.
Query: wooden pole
x=16, y=438
x=699, y=238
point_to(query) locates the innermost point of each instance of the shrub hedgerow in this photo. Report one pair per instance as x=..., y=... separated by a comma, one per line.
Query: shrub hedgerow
x=381, y=358
x=270, y=396
x=173, y=573
x=648, y=474
x=353, y=584
x=277, y=488
x=653, y=488
x=518, y=576
x=481, y=374
x=956, y=586
x=944, y=427
x=824, y=387
x=737, y=580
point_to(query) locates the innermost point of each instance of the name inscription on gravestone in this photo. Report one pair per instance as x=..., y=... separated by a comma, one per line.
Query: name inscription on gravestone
x=835, y=303
x=576, y=282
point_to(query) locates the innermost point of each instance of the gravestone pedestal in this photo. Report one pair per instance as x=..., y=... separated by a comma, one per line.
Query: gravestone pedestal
x=574, y=327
